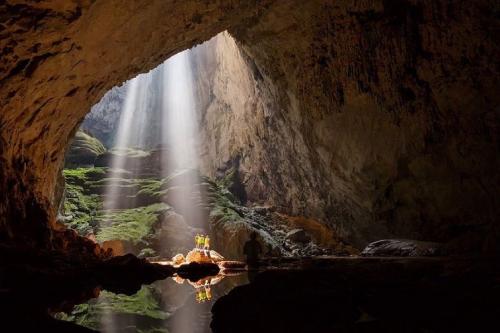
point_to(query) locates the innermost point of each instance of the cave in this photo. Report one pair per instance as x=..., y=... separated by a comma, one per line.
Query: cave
x=356, y=142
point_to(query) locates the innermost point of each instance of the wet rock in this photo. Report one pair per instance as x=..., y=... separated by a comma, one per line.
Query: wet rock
x=126, y=274
x=198, y=256
x=402, y=248
x=178, y=259
x=194, y=271
x=298, y=235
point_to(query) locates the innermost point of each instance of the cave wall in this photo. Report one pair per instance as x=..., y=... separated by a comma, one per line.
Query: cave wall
x=58, y=58
x=377, y=117
x=397, y=106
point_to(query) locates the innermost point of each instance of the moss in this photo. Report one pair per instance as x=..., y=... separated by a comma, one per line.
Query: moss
x=82, y=175
x=145, y=303
x=232, y=182
x=151, y=190
x=222, y=202
x=147, y=252
x=81, y=208
x=133, y=225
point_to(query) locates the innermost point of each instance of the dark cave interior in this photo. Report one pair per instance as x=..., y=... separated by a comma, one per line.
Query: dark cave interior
x=357, y=140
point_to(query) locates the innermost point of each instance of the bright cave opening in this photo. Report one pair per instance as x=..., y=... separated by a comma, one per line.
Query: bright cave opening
x=142, y=178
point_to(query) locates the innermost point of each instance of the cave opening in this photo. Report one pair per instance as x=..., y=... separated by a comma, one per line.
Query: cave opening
x=140, y=180
x=278, y=166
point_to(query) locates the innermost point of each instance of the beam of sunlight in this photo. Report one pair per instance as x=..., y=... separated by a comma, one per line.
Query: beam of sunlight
x=180, y=135
x=180, y=129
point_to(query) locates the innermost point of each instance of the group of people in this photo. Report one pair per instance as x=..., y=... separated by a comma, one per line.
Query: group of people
x=202, y=242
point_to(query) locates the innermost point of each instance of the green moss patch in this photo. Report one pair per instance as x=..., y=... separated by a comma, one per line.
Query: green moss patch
x=222, y=202
x=82, y=175
x=132, y=225
x=145, y=303
x=80, y=207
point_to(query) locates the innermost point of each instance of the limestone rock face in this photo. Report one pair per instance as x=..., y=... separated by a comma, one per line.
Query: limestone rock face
x=366, y=116
x=377, y=118
x=84, y=150
x=104, y=117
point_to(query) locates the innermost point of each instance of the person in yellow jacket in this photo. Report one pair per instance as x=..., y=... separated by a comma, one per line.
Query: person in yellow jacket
x=200, y=241
x=206, y=243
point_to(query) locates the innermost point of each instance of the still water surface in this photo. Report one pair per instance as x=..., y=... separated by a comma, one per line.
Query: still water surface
x=171, y=305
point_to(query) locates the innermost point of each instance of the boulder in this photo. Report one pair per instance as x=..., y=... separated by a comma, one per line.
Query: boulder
x=198, y=256
x=173, y=231
x=298, y=236
x=178, y=259
x=116, y=246
x=84, y=150
x=402, y=248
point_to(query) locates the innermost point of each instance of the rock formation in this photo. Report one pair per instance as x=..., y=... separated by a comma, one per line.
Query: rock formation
x=377, y=118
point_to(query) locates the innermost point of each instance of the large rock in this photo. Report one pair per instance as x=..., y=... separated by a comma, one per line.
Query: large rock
x=118, y=247
x=298, y=235
x=84, y=150
x=402, y=248
x=173, y=235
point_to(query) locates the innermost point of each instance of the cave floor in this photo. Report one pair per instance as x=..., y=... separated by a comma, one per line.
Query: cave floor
x=314, y=294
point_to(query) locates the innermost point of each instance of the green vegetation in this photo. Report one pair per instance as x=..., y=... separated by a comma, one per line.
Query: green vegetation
x=147, y=252
x=222, y=201
x=151, y=190
x=82, y=175
x=81, y=207
x=133, y=225
x=145, y=303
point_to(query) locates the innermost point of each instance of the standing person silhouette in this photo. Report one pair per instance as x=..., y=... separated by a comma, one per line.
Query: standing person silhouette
x=252, y=250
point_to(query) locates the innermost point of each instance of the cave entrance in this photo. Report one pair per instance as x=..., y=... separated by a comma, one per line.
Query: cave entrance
x=136, y=182
x=133, y=181
x=169, y=155
x=154, y=170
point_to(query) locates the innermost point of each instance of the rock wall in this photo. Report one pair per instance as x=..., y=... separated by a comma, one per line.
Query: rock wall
x=378, y=120
x=377, y=117
x=394, y=113
x=104, y=117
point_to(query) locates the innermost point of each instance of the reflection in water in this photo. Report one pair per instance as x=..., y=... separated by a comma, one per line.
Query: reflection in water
x=171, y=305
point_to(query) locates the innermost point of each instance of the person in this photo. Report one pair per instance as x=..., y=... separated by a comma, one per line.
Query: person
x=197, y=241
x=200, y=295
x=201, y=242
x=252, y=250
x=206, y=243
x=208, y=291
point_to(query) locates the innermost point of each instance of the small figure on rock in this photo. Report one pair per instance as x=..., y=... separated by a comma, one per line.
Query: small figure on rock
x=199, y=241
x=206, y=245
